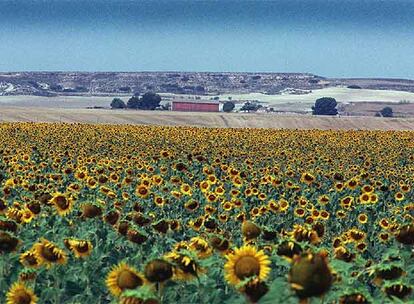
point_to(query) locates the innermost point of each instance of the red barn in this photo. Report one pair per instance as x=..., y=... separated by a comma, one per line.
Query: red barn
x=195, y=105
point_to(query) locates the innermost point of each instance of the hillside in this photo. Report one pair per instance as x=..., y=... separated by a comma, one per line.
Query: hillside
x=197, y=83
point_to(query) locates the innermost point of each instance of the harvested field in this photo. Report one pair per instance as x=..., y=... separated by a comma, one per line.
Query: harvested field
x=371, y=108
x=233, y=120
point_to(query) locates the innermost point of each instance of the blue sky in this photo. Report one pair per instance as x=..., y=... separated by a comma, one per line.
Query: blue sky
x=326, y=37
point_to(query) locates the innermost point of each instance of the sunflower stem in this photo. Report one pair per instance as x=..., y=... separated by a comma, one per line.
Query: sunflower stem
x=56, y=285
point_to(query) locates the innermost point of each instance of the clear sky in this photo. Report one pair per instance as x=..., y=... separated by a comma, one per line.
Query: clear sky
x=361, y=38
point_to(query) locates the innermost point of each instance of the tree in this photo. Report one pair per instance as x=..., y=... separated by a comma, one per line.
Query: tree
x=118, y=103
x=228, y=106
x=386, y=112
x=149, y=101
x=133, y=102
x=325, y=106
x=250, y=107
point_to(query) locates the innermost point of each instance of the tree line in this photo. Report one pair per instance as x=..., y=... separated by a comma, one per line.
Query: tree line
x=148, y=101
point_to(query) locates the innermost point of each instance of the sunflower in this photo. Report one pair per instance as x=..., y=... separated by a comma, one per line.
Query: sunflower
x=219, y=243
x=405, y=235
x=399, y=196
x=80, y=175
x=91, y=210
x=273, y=206
x=191, y=205
x=307, y=178
x=80, y=248
x=341, y=213
x=373, y=198
x=3, y=206
x=27, y=215
x=398, y=290
x=159, y=201
x=362, y=218
x=211, y=197
x=362, y=246
x=244, y=263
x=227, y=206
x=343, y=254
x=204, y=186
x=49, y=254
x=197, y=223
x=219, y=191
x=186, y=189
x=383, y=237
x=324, y=215
x=237, y=182
x=29, y=259
x=20, y=294
x=123, y=277
x=365, y=198
x=352, y=183
x=62, y=202
x=175, y=225
x=27, y=275
x=284, y=205
x=339, y=186
x=367, y=189
x=186, y=266
x=405, y=188
x=201, y=247
x=288, y=250
x=8, y=243
x=250, y=230
x=346, y=202
x=356, y=235
x=310, y=275
x=142, y=191
x=158, y=270
x=322, y=200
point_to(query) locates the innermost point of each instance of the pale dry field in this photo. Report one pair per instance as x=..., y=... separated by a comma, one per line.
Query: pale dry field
x=224, y=120
x=341, y=94
x=283, y=101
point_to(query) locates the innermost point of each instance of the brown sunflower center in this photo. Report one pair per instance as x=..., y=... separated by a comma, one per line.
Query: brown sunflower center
x=246, y=267
x=22, y=297
x=82, y=247
x=31, y=260
x=62, y=202
x=128, y=280
x=48, y=254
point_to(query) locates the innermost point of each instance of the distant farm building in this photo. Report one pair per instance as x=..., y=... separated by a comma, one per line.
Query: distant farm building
x=195, y=105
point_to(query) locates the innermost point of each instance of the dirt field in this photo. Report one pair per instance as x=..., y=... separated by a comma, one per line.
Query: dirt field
x=233, y=120
x=371, y=108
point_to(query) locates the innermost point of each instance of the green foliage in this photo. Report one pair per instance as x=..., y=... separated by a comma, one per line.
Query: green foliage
x=133, y=102
x=148, y=101
x=250, y=107
x=228, y=106
x=118, y=103
x=386, y=112
x=325, y=106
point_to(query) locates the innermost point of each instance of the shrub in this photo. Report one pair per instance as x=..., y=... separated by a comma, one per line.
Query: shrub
x=386, y=112
x=325, y=106
x=118, y=103
x=250, y=107
x=133, y=102
x=228, y=106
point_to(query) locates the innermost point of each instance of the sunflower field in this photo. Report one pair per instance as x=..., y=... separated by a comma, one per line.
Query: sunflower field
x=150, y=214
